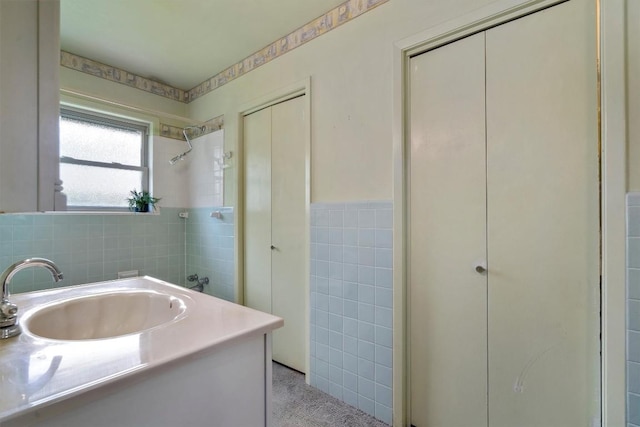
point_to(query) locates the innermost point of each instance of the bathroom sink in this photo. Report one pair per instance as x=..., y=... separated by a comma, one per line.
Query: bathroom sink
x=105, y=315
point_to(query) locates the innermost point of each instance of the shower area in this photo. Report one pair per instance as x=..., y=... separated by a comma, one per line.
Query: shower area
x=209, y=237
x=199, y=130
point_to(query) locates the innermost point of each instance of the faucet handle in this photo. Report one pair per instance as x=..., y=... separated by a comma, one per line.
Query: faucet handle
x=8, y=318
x=8, y=309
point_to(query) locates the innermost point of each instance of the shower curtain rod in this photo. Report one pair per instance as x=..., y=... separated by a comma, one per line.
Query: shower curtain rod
x=131, y=107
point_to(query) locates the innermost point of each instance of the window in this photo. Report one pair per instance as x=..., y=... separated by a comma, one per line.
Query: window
x=101, y=159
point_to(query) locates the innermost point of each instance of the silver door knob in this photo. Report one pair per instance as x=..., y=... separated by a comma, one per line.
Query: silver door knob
x=480, y=269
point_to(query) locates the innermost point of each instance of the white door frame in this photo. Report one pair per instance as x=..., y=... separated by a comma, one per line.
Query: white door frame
x=613, y=154
x=613, y=187
x=288, y=92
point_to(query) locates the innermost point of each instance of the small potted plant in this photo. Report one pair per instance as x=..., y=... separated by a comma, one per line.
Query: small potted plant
x=142, y=201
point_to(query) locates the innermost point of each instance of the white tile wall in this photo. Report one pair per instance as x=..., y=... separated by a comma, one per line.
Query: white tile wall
x=204, y=170
x=351, y=303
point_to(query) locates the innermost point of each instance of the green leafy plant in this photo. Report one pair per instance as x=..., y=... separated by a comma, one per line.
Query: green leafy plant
x=142, y=201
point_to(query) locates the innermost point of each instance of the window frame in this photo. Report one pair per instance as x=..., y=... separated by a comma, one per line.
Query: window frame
x=119, y=122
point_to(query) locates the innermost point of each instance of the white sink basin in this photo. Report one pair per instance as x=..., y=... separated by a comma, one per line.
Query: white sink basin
x=105, y=315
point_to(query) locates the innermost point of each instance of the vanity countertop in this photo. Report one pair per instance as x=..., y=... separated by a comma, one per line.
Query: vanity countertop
x=35, y=372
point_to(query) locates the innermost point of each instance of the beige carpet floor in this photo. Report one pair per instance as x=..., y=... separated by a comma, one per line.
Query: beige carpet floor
x=295, y=404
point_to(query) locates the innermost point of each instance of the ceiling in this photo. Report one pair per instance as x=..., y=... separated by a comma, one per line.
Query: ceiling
x=179, y=42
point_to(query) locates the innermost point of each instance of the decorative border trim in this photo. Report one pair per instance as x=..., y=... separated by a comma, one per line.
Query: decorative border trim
x=334, y=18
x=337, y=16
x=118, y=75
x=175, y=132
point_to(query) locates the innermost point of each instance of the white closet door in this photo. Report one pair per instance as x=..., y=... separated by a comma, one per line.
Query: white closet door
x=275, y=218
x=257, y=210
x=287, y=224
x=447, y=297
x=543, y=219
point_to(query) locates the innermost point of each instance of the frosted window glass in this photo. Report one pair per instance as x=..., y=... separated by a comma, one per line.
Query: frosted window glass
x=94, y=186
x=101, y=143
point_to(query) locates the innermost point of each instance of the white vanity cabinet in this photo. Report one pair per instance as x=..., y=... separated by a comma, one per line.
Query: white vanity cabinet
x=210, y=365
x=29, y=104
x=230, y=386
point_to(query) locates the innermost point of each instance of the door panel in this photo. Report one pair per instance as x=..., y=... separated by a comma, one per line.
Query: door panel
x=540, y=326
x=287, y=223
x=257, y=210
x=543, y=219
x=447, y=297
x=275, y=217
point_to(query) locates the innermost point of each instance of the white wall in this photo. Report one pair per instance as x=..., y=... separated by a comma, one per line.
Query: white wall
x=204, y=171
x=170, y=182
x=195, y=181
x=633, y=94
x=351, y=72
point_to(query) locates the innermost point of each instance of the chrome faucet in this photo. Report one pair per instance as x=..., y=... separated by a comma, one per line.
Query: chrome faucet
x=199, y=286
x=9, y=326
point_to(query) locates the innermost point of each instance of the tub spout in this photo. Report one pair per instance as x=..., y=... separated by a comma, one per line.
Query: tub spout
x=9, y=326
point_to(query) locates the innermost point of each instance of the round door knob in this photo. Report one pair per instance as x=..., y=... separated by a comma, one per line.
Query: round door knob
x=273, y=247
x=480, y=269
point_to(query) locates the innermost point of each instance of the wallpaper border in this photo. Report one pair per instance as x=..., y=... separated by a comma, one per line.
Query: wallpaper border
x=118, y=75
x=334, y=18
x=175, y=132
